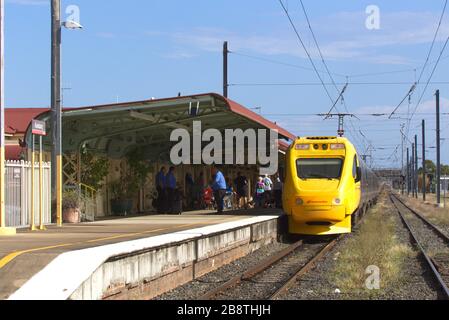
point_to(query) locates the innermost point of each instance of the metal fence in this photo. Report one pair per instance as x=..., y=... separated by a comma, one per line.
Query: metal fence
x=18, y=193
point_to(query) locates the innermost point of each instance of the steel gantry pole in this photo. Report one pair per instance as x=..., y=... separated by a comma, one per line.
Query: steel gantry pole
x=416, y=166
x=412, y=170
x=438, y=169
x=225, y=69
x=402, y=160
x=3, y=229
x=56, y=185
x=423, y=160
x=408, y=171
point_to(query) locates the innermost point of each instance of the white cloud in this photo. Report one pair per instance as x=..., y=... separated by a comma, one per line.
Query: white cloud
x=341, y=36
x=29, y=2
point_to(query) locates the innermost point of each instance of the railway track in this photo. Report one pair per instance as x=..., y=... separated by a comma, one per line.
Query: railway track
x=273, y=276
x=430, y=240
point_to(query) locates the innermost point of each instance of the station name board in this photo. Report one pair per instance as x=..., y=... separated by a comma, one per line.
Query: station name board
x=38, y=128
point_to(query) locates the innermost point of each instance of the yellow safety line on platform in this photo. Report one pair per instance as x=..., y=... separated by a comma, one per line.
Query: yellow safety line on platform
x=7, y=259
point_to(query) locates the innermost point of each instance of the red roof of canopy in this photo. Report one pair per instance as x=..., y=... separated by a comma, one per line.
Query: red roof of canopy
x=232, y=105
x=18, y=119
x=241, y=110
x=13, y=152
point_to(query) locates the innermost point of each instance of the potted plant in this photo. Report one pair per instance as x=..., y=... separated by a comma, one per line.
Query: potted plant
x=122, y=191
x=71, y=207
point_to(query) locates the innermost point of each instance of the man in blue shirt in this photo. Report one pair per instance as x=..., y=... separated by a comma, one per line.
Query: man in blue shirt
x=170, y=186
x=219, y=188
x=160, y=187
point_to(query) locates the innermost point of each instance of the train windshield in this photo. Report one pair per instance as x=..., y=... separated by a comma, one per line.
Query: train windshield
x=323, y=168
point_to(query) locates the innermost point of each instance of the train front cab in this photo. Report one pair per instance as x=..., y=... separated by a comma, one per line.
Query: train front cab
x=322, y=186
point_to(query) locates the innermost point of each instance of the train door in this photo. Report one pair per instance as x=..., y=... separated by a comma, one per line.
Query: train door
x=357, y=175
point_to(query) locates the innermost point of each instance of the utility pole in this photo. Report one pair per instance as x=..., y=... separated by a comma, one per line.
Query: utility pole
x=412, y=170
x=438, y=169
x=225, y=69
x=408, y=172
x=4, y=231
x=416, y=166
x=402, y=159
x=56, y=155
x=423, y=160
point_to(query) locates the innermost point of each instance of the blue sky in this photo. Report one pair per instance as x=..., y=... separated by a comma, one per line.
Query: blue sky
x=138, y=49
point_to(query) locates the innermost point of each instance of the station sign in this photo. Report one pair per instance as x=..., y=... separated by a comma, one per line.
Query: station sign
x=38, y=128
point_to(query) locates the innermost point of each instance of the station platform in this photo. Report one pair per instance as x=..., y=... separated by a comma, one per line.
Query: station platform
x=61, y=260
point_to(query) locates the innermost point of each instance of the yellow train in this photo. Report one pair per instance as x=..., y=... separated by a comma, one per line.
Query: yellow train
x=327, y=186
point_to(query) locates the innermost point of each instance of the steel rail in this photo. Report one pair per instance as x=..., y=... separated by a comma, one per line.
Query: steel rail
x=304, y=269
x=263, y=265
x=429, y=261
x=437, y=230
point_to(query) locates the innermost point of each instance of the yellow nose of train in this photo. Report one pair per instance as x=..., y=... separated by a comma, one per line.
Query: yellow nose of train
x=322, y=186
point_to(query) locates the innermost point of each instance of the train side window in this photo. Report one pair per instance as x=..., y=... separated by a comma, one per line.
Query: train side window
x=356, y=171
x=354, y=168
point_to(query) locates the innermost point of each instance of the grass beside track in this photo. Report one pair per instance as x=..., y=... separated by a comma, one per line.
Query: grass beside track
x=375, y=243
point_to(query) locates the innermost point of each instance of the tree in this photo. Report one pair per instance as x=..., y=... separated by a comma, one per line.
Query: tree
x=94, y=169
x=445, y=170
x=430, y=167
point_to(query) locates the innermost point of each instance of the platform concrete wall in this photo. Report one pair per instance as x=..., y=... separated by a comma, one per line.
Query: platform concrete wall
x=151, y=272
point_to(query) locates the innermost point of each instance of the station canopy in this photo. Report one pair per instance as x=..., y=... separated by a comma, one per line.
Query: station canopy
x=115, y=129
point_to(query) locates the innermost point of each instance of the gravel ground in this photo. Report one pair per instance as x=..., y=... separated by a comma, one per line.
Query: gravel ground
x=266, y=283
x=430, y=241
x=415, y=283
x=438, y=216
x=197, y=288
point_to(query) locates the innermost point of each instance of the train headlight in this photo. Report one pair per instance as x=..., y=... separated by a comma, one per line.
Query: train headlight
x=337, y=201
x=302, y=146
x=337, y=146
x=299, y=202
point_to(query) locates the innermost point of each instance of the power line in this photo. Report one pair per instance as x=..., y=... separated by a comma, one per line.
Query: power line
x=319, y=49
x=305, y=49
x=408, y=95
x=340, y=83
x=280, y=63
x=430, y=78
x=427, y=60
x=433, y=42
x=362, y=75
x=376, y=115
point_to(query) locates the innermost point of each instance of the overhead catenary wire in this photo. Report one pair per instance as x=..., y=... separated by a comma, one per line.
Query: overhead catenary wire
x=286, y=84
x=428, y=81
x=427, y=60
x=433, y=41
x=305, y=48
x=307, y=52
x=342, y=91
x=287, y=64
x=409, y=93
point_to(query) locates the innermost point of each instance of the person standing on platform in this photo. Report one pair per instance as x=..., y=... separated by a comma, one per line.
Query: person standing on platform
x=268, y=187
x=241, y=184
x=160, y=187
x=170, y=185
x=219, y=188
x=277, y=188
x=259, y=194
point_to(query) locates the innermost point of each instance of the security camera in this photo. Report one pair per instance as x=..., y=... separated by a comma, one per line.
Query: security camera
x=70, y=24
